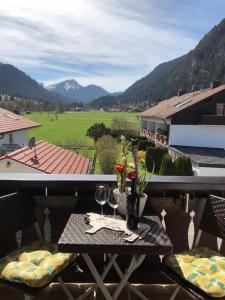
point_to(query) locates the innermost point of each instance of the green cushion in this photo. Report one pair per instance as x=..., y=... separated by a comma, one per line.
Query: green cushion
x=34, y=265
x=202, y=267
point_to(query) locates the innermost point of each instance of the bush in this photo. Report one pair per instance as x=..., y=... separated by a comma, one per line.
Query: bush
x=107, y=152
x=157, y=155
x=142, y=143
x=168, y=166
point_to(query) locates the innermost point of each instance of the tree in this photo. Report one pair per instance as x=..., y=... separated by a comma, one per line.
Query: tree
x=168, y=166
x=107, y=152
x=97, y=130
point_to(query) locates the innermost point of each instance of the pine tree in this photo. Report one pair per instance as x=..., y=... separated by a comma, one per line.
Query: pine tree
x=188, y=167
x=180, y=166
x=167, y=166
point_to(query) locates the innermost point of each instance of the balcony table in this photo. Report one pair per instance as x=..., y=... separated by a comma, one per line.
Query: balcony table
x=106, y=241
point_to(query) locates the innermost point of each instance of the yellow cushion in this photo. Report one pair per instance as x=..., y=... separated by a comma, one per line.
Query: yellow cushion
x=34, y=265
x=202, y=267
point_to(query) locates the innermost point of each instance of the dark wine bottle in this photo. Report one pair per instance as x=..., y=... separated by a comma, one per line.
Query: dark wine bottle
x=133, y=200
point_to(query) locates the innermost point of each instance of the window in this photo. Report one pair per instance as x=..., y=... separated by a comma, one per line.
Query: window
x=1, y=136
x=220, y=109
x=10, y=138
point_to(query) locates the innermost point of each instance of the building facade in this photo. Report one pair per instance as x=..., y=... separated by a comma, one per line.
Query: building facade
x=191, y=124
x=13, y=131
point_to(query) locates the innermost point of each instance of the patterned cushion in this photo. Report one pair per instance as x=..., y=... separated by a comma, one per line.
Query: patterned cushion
x=34, y=265
x=202, y=267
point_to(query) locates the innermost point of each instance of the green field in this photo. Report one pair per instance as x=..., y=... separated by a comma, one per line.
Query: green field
x=71, y=127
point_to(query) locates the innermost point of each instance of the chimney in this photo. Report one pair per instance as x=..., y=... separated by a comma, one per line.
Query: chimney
x=214, y=84
x=180, y=92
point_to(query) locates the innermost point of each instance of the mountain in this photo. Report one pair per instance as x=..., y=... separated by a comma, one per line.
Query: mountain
x=193, y=70
x=105, y=101
x=71, y=88
x=17, y=83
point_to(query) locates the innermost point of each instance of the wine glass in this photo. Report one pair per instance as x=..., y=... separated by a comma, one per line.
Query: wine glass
x=114, y=202
x=102, y=194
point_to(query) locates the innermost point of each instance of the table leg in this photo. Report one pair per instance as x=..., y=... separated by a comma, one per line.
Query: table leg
x=97, y=277
x=129, y=285
x=104, y=274
x=134, y=264
x=136, y=261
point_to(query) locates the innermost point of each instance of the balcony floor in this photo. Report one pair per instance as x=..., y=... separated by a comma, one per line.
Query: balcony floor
x=153, y=291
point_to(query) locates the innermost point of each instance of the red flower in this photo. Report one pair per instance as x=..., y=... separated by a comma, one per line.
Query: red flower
x=119, y=168
x=131, y=175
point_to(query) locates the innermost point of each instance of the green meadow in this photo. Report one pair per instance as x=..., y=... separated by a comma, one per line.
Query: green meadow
x=71, y=127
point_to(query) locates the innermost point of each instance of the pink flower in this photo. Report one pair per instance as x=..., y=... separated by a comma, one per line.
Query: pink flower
x=131, y=175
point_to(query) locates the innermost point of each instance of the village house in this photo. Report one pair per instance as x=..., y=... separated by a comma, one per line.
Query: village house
x=17, y=157
x=44, y=158
x=191, y=124
x=13, y=131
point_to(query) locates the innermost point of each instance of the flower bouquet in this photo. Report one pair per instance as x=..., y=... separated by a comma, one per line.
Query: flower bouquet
x=132, y=164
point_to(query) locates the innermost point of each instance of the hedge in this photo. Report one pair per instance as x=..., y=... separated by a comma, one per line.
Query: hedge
x=157, y=155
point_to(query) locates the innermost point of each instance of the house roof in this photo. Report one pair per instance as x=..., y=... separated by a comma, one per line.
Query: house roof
x=51, y=159
x=203, y=156
x=169, y=107
x=11, y=122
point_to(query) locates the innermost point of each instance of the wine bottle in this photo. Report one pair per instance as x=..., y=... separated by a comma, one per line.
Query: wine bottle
x=133, y=200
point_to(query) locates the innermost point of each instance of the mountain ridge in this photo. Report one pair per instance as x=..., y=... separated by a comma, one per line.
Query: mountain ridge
x=191, y=71
x=17, y=83
x=71, y=88
x=205, y=63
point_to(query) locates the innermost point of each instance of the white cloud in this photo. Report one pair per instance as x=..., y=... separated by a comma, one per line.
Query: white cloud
x=94, y=41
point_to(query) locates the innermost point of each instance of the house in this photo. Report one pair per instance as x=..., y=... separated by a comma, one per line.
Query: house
x=191, y=124
x=44, y=158
x=13, y=130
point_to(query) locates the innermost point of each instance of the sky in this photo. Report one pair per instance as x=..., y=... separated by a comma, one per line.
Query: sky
x=111, y=43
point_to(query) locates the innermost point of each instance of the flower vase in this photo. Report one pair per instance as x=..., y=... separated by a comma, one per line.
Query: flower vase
x=122, y=199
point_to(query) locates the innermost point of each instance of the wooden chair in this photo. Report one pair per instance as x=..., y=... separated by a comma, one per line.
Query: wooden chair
x=212, y=222
x=17, y=213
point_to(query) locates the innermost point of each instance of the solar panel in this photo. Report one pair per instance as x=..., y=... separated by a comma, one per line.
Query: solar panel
x=182, y=103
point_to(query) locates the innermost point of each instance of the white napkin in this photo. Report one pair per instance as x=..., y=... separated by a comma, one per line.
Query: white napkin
x=97, y=222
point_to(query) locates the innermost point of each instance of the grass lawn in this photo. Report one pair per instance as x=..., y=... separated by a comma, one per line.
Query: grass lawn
x=71, y=127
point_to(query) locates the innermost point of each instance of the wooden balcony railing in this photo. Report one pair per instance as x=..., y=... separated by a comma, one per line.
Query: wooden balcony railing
x=155, y=136
x=178, y=201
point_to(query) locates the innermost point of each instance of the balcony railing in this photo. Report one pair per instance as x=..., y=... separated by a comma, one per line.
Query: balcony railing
x=157, y=137
x=178, y=201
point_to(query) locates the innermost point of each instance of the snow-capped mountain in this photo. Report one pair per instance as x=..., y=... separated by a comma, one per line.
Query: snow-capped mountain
x=71, y=88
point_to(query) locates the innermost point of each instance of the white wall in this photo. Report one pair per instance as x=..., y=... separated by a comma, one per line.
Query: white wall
x=200, y=171
x=19, y=137
x=16, y=167
x=198, y=135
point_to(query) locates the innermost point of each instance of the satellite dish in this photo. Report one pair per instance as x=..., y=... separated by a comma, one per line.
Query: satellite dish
x=31, y=143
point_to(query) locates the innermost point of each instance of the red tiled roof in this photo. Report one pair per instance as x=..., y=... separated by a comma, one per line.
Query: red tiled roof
x=51, y=159
x=11, y=122
x=169, y=107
